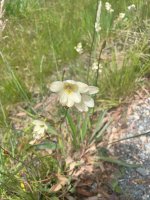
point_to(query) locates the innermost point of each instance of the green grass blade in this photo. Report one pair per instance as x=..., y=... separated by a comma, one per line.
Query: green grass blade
x=101, y=132
x=52, y=130
x=73, y=128
x=119, y=162
x=84, y=127
x=3, y=114
x=100, y=128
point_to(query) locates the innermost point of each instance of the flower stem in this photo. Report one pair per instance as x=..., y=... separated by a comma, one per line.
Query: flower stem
x=92, y=44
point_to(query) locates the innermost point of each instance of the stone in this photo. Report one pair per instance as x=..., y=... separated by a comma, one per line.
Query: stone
x=147, y=147
x=142, y=171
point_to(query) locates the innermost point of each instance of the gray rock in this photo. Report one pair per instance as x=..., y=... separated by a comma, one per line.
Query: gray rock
x=142, y=171
x=147, y=147
x=136, y=181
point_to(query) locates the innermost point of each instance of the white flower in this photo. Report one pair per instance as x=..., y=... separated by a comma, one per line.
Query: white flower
x=73, y=93
x=86, y=100
x=97, y=27
x=132, y=7
x=79, y=48
x=111, y=10
x=69, y=91
x=39, y=129
x=121, y=15
x=107, y=6
x=95, y=66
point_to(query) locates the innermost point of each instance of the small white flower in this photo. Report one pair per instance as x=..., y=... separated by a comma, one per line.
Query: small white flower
x=86, y=100
x=107, y=6
x=111, y=10
x=132, y=7
x=95, y=66
x=121, y=15
x=97, y=27
x=69, y=91
x=79, y=48
x=39, y=130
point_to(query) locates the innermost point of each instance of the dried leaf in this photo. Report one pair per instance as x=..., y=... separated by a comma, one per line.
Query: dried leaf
x=21, y=114
x=84, y=192
x=62, y=180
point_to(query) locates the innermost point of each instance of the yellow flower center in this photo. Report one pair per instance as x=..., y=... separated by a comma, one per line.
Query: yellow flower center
x=70, y=88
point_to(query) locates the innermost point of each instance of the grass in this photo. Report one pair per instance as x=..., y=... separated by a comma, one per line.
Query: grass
x=40, y=37
x=37, y=47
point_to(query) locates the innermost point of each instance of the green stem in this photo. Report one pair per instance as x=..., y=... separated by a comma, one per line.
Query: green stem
x=61, y=139
x=92, y=44
x=73, y=129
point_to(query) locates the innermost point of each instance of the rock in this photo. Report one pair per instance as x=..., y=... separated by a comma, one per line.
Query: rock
x=147, y=147
x=142, y=171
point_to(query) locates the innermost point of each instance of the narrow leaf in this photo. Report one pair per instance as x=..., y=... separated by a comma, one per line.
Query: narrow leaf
x=119, y=162
x=84, y=127
x=46, y=145
x=71, y=124
x=51, y=130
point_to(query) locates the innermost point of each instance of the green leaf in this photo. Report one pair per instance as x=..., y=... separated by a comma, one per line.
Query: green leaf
x=99, y=123
x=100, y=128
x=84, y=127
x=102, y=151
x=115, y=186
x=72, y=125
x=51, y=130
x=46, y=145
x=101, y=131
x=119, y=162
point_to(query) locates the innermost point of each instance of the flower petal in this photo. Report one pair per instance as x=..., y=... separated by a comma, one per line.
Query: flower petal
x=83, y=88
x=93, y=90
x=38, y=122
x=63, y=98
x=70, y=102
x=70, y=81
x=75, y=96
x=81, y=107
x=88, y=101
x=56, y=86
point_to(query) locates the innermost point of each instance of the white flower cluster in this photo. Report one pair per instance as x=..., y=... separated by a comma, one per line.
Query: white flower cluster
x=95, y=66
x=121, y=16
x=97, y=27
x=132, y=7
x=79, y=48
x=39, y=130
x=108, y=7
x=72, y=93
